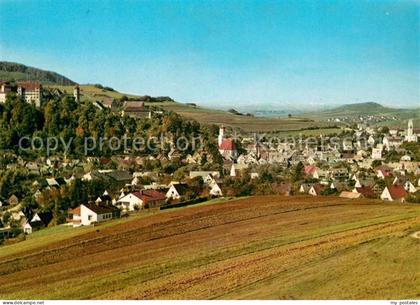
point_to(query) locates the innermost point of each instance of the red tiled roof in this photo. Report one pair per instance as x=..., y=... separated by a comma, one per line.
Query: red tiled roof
x=397, y=191
x=386, y=173
x=156, y=195
x=29, y=85
x=309, y=169
x=149, y=195
x=104, y=160
x=366, y=191
x=318, y=188
x=227, y=144
x=75, y=211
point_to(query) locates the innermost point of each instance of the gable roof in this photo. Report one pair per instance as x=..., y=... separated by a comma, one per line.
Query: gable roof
x=227, y=144
x=101, y=209
x=30, y=86
x=396, y=191
x=134, y=106
x=181, y=188
x=366, y=191
x=45, y=217
x=120, y=175
x=310, y=169
x=74, y=211
x=149, y=195
x=318, y=188
x=350, y=195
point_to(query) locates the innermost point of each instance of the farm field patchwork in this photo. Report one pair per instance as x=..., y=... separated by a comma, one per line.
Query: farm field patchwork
x=264, y=247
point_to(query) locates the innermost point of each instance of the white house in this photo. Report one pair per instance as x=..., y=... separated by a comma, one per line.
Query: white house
x=38, y=221
x=130, y=202
x=409, y=187
x=137, y=200
x=208, y=176
x=316, y=189
x=236, y=168
x=176, y=191
x=405, y=158
x=377, y=153
x=215, y=190
x=87, y=214
x=394, y=193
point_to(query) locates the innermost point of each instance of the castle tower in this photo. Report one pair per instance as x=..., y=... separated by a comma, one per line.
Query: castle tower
x=221, y=135
x=76, y=93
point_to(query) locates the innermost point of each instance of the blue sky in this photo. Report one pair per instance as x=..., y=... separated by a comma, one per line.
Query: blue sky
x=225, y=53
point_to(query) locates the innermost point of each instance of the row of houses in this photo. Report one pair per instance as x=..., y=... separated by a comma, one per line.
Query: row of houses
x=149, y=197
x=393, y=192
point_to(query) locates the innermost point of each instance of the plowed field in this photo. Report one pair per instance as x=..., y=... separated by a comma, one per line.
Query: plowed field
x=270, y=247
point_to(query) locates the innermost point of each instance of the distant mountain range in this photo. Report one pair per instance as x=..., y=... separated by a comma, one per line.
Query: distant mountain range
x=10, y=71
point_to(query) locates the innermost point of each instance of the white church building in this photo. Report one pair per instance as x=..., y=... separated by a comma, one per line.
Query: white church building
x=410, y=136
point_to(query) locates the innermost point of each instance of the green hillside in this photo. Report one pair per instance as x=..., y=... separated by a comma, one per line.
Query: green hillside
x=10, y=71
x=358, y=109
x=18, y=72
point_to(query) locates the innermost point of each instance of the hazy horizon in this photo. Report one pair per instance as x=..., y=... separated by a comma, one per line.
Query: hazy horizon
x=225, y=54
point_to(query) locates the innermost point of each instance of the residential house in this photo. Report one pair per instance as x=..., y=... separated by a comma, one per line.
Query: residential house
x=394, y=193
x=236, y=169
x=316, y=189
x=364, y=182
x=176, y=191
x=409, y=187
x=38, y=221
x=143, y=199
x=208, y=176
x=74, y=217
x=365, y=191
x=216, y=190
x=304, y=188
x=91, y=213
x=392, y=142
x=136, y=109
x=337, y=185
x=383, y=172
x=377, y=153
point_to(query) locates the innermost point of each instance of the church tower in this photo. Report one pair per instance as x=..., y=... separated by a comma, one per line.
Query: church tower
x=221, y=135
x=76, y=93
x=410, y=129
x=411, y=136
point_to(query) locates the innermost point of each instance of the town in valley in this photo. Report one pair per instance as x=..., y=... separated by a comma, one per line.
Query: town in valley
x=40, y=190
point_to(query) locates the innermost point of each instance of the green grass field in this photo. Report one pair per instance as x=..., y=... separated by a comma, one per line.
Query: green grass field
x=270, y=247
